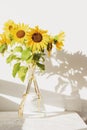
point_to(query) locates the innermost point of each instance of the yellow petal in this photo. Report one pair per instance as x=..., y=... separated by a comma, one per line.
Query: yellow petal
x=61, y=37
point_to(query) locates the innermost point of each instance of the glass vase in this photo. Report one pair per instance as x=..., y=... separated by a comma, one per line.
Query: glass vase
x=32, y=102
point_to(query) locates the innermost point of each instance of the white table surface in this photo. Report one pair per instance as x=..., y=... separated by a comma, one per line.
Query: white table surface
x=53, y=121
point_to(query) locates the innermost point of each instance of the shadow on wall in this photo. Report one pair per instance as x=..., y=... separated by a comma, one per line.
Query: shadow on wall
x=71, y=72
x=10, y=93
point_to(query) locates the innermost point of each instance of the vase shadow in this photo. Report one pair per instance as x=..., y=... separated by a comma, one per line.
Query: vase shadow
x=52, y=99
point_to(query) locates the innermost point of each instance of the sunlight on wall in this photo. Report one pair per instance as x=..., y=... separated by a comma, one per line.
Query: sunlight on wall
x=83, y=93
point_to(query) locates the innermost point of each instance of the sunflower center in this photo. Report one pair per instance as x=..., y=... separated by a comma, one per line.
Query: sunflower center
x=20, y=34
x=10, y=27
x=37, y=37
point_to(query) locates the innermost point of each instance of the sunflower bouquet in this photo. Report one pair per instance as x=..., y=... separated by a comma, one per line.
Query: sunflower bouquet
x=27, y=48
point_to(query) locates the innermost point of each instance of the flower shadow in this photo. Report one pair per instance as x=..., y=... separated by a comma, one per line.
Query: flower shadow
x=70, y=69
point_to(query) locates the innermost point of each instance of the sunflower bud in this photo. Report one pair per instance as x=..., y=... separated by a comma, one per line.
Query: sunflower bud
x=49, y=48
x=59, y=45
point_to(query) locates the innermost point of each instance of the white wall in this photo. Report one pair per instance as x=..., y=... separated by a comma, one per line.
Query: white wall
x=55, y=16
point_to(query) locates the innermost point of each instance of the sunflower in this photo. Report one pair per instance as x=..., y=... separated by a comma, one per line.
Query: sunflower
x=59, y=39
x=20, y=32
x=37, y=39
x=9, y=26
x=3, y=39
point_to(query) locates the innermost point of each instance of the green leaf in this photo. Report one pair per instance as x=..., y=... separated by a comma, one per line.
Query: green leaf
x=16, y=68
x=26, y=54
x=22, y=72
x=3, y=48
x=18, y=49
x=41, y=66
x=56, y=38
x=37, y=56
x=10, y=58
x=29, y=60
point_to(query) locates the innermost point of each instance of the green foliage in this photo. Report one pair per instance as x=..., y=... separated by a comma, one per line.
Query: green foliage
x=38, y=59
x=22, y=72
x=29, y=60
x=18, y=49
x=41, y=66
x=11, y=58
x=38, y=56
x=28, y=57
x=26, y=54
x=3, y=47
x=16, y=68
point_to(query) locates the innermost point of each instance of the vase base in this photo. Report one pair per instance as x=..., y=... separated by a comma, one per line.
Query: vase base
x=34, y=115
